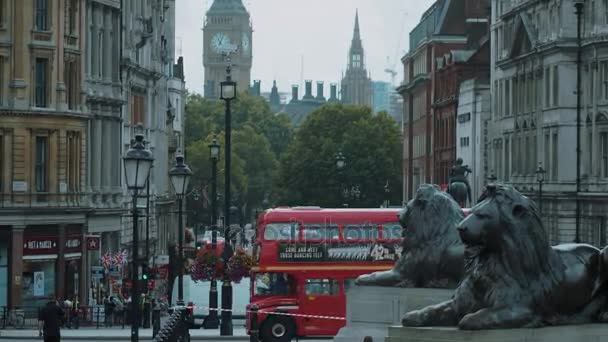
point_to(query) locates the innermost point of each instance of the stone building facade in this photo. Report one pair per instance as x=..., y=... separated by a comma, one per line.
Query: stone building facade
x=534, y=71
x=153, y=104
x=43, y=152
x=429, y=95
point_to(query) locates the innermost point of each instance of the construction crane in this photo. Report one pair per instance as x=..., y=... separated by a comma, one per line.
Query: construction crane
x=390, y=69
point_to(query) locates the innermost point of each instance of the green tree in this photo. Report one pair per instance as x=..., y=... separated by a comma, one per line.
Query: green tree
x=371, y=145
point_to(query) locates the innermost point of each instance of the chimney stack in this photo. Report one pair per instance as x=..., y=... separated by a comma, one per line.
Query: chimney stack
x=308, y=91
x=257, y=90
x=333, y=90
x=320, y=96
x=294, y=93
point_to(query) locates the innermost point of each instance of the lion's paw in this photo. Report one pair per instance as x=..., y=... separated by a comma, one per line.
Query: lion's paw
x=413, y=319
x=603, y=317
x=470, y=322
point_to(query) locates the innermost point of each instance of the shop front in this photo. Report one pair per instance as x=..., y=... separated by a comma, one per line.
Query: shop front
x=52, y=265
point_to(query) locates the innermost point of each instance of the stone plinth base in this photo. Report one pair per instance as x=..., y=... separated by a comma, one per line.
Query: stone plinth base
x=370, y=310
x=566, y=333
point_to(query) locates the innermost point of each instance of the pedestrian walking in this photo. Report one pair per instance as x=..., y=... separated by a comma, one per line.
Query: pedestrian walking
x=49, y=321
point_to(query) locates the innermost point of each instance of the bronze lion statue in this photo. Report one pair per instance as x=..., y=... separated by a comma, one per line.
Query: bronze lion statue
x=432, y=255
x=514, y=278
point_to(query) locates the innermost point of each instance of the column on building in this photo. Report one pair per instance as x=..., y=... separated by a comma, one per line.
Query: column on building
x=15, y=265
x=97, y=148
x=60, y=279
x=106, y=152
x=107, y=45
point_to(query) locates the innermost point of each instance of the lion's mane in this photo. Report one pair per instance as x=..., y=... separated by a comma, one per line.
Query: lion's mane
x=429, y=221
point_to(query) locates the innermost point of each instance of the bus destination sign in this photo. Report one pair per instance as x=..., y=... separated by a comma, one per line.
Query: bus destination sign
x=336, y=252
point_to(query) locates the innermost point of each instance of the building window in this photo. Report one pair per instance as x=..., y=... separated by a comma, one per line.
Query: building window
x=1, y=163
x=71, y=83
x=554, y=165
x=604, y=151
x=547, y=87
x=42, y=15
x=555, y=85
x=507, y=97
x=137, y=109
x=547, y=155
x=507, y=171
x=71, y=16
x=42, y=155
x=356, y=60
x=73, y=161
x=41, y=82
x=100, y=52
x=2, y=82
x=1, y=14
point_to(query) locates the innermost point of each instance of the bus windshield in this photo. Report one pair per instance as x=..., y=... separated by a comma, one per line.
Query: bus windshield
x=273, y=284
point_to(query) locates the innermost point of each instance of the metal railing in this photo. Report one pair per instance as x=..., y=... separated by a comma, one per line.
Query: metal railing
x=176, y=328
x=26, y=317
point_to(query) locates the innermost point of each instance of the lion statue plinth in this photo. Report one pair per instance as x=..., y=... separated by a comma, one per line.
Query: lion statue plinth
x=514, y=278
x=433, y=255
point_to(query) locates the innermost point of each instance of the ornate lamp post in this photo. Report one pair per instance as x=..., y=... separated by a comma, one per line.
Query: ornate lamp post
x=137, y=162
x=579, y=6
x=180, y=175
x=387, y=191
x=227, y=93
x=212, y=321
x=340, y=163
x=540, y=178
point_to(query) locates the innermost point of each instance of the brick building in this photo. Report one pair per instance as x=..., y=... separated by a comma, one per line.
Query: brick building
x=430, y=93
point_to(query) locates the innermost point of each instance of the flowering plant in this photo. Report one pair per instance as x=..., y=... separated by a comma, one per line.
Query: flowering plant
x=207, y=265
x=239, y=265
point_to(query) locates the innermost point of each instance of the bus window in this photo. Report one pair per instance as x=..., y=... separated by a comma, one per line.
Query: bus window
x=392, y=231
x=272, y=284
x=321, y=232
x=281, y=231
x=361, y=232
x=322, y=287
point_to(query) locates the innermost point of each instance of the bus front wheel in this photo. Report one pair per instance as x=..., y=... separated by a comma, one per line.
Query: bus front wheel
x=277, y=328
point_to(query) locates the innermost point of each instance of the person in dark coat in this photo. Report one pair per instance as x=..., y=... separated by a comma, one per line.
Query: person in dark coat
x=49, y=318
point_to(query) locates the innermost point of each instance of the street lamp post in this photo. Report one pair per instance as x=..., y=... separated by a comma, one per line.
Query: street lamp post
x=137, y=163
x=387, y=191
x=540, y=178
x=227, y=93
x=340, y=163
x=212, y=321
x=179, y=175
x=578, y=5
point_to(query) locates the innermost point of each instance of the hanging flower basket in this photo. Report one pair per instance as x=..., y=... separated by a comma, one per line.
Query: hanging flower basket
x=239, y=265
x=207, y=265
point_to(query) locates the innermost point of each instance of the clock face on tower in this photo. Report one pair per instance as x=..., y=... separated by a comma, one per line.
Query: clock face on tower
x=219, y=41
x=245, y=43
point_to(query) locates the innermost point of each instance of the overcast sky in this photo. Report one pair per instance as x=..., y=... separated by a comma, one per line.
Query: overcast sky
x=317, y=32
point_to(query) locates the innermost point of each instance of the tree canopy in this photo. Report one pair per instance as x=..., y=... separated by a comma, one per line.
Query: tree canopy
x=259, y=137
x=370, y=144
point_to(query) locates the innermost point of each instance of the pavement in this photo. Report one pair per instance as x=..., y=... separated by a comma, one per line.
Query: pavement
x=118, y=334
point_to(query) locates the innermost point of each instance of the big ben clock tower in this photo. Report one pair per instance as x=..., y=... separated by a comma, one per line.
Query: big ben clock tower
x=227, y=29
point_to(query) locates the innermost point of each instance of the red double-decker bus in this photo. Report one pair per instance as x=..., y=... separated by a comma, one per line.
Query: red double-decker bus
x=308, y=257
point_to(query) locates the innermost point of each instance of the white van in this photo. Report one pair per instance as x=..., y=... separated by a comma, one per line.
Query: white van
x=197, y=294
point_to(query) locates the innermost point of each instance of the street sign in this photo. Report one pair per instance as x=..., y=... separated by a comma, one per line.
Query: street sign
x=93, y=243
